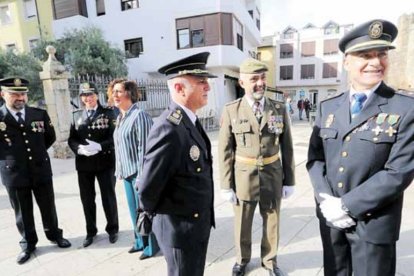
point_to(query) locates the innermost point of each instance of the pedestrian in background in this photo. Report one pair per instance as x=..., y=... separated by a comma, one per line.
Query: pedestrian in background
x=91, y=140
x=301, y=107
x=361, y=159
x=26, y=134
x=132, y=128
x=254, y=129
x=177, y=180
x=307, y=107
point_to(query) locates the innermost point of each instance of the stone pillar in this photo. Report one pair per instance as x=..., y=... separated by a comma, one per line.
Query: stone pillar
x=57, y=98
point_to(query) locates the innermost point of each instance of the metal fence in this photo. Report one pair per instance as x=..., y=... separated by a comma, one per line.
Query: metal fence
x=155, y=97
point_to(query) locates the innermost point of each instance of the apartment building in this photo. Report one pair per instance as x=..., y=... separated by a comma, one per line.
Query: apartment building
x=154, y=32
x=309, y=63
x=23, y=23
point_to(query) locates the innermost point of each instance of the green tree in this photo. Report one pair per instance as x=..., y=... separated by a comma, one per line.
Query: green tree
x=85, y=51
x=25, y=66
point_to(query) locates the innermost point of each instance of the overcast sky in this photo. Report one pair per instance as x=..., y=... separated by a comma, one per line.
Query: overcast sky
x=276, y=15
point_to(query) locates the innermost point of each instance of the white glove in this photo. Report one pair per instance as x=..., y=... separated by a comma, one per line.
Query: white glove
x=331, y=207
x=83, y=150
x=287, y=191
x=345, y=222
x=229, y=195
x=93, y=145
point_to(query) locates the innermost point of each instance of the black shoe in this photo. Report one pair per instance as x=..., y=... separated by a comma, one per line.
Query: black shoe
x=24, y=256
x=238, y=269
x=88, y=241
x=113, y=237
x=62, y=242
x=275, y=271
x=133, y=250
x=144, y=256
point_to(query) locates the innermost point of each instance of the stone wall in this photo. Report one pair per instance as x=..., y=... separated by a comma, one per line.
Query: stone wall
x=401, y=70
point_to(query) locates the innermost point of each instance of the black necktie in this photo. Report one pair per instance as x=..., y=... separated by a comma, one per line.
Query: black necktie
x=20, y=118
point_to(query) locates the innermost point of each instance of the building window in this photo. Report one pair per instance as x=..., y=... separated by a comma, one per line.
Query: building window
x=5, y=16
x=129, y=4
x=308, y=49
x=100, y=7
x=331, y=29
x=29, y=8
x=134, y=47
x=197, y=38
x=65, y=8
x=330, y=46
x=33, y=43
x=258, y=24
x=307, y=71
x=183, y=38
x=238, y=33
x=286, y=72
x=330, y=70
x=286, y=50
x=11, y=47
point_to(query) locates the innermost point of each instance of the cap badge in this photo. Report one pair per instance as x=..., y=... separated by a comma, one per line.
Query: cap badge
x=17, y=82
x=85, y=86
x=194, y=153
x=375, y=30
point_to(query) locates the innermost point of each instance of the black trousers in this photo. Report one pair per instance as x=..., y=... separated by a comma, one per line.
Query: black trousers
x=21, y=200
x=345, y=252
x=106, y=181
x=189, y=261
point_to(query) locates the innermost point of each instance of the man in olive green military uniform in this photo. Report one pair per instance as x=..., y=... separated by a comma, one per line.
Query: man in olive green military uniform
x=253, y=131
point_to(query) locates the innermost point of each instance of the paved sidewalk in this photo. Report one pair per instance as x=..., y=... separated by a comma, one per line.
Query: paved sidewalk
x=300, y=251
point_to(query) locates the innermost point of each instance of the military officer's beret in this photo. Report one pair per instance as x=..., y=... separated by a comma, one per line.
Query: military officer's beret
x=252, y=66
x=374, y=34
x=87, y=88
x=14, y=85
x=194, y=65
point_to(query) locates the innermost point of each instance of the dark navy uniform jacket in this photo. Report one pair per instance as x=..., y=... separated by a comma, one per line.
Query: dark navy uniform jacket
x=368, y=162
x=23, y=149
x=100, y=129
x=177, y=178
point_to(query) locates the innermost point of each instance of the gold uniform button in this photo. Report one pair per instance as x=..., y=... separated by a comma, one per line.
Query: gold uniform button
x=341, y=169
x=375, y=139
x=26, y=141
x=28, y=149
x=368, y=214
x=89, y=135
x=30, y=158
x=344, y=154
x=24, y=133
x=196, y=215
x=340, y=185
x=198, y=169
x=5, y=135
x=348, y=138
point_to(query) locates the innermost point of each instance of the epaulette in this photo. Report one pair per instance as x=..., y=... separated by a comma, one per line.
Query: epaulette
x=77, y=110
x=406, y=93
x=233, y=102
x=332, y=97
x=277, y=104
x=175, y=117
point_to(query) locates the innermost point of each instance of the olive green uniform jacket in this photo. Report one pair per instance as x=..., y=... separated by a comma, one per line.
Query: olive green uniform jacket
x=241, y=135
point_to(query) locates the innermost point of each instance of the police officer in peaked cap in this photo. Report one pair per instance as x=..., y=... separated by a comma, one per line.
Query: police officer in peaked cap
x=91, y=140
x=26, y=133
x=361, y=159
x=177, y=179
